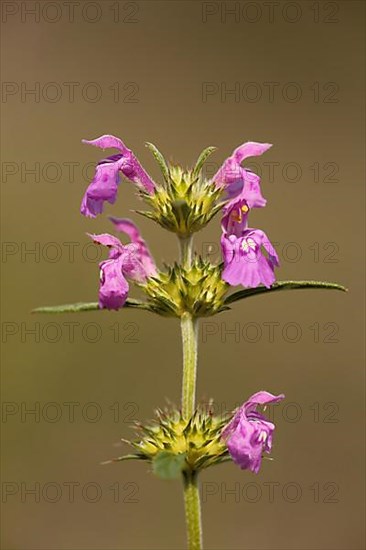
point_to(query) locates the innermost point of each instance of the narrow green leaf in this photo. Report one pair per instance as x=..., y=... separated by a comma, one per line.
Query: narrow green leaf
x=202, y=159
x=124, y=457
x=282, y=285
x=167, y=465
x=216, y=209
x=68, y=308
x=216, y=461
x=160, y=160
x=146, y=214
x=137, y=304
x=87, y=306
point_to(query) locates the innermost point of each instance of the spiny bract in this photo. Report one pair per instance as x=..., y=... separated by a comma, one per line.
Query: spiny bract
x=185, y=203
x=198, y=290
x=197, y=440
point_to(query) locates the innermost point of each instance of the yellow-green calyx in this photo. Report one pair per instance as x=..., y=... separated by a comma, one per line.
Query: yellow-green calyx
x=198, y=290
x=185, y=203
x=174, y=444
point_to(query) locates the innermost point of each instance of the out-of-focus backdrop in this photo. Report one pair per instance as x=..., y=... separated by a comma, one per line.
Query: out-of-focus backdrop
x=183, y=75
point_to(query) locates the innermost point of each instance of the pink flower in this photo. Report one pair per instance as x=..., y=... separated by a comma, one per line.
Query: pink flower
x=131, y=230
x=239, y=180
x=105, y=183
x=132, y=261
x=249, y=433
x=244, y=262
x=242, y=247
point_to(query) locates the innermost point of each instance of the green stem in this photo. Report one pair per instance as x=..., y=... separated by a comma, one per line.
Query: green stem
x=189, y=327
x=186, y=250
x=193, y=511
x=192, y=504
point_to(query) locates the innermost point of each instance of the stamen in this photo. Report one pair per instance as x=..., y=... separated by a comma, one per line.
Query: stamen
x=236, y=215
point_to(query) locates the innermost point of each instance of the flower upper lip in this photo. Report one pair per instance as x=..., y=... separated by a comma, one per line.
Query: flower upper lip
x=235, y=178
x=104, y=185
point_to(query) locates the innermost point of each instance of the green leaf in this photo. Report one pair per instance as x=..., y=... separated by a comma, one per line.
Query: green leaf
x=146, y=214
x=216, y=209
x=137, y=304
x=160, y=160
x=282, y=285
x=218, y=460
x=202, y=159
x=124, y=457
x=68, y=308
x=167, y=465
x=87, y=306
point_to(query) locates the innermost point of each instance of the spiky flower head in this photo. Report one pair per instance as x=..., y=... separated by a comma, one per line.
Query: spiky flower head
x=174, y=444
x=185, y=202
x=198, y=290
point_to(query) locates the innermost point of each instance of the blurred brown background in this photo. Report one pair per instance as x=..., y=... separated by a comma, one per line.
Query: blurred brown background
x=140, y=70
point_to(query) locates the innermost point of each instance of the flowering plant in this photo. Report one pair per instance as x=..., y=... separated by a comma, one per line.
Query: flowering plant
x=180, y=442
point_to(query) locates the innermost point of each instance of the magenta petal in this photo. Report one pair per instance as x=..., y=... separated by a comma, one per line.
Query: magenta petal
x=262, y=398
x=128, y=164
x=128, y=256
x=252, y=191
x=91, y=207
x=264, y=241
x=246, y=265
x=228, y=247
x=107, y=142
x=132, y=266
x=114, y=288
x=107, y=240
x=232, y=176
x=133, y=171
x=249, y=433
x=103, y=188
x=105, y=183
x=127, y=226
x=272, y=254
x=250, y=149
x=233, y=266
x=258, y=271
x=124, y=225
x=243, y=449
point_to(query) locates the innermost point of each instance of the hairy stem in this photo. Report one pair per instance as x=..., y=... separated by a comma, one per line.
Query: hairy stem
x=186, y=250
x=189, y=328
x=192, y=504
x=193, y=511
